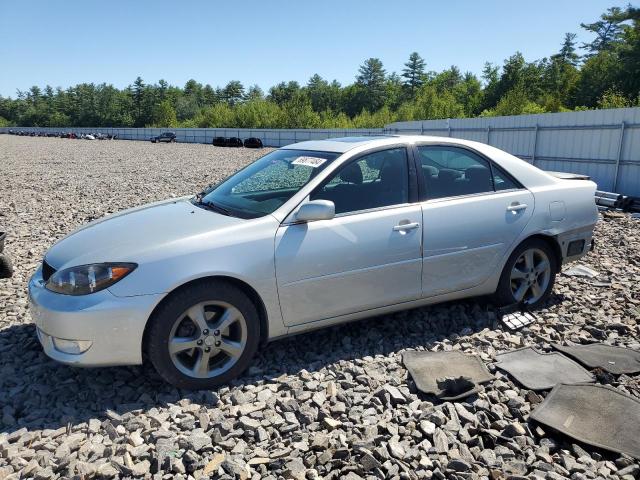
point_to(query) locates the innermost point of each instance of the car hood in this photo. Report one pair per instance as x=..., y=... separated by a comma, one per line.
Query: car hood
x=129, y=235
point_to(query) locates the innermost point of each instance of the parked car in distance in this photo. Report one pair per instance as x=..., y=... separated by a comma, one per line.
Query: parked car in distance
x=310, y=235
x=168, y=137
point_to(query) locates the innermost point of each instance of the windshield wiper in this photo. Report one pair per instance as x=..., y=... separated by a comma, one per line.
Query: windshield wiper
x=213, y=207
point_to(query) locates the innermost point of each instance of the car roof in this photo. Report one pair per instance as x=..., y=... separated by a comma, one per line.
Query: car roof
x=341, y=144
x=524, y=172
x=344, y=144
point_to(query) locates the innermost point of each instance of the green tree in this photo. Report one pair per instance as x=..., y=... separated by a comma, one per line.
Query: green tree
x=164, y=115
x=629, y=55
x=254, y=93
x=413, y=73
x=613, y=99
x=138, y=94
x=324, y=96
x=371, y=80
x=598, y=74
x=607, y=31
x=284, y=92
x=298, y=113
x=568, y=53
x=491, y=77
x=515, y=102
x=233, y=92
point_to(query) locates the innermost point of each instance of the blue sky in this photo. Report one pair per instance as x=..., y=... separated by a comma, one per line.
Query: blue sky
x=62, y=43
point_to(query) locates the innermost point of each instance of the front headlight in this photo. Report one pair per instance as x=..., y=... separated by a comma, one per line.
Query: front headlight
x=85, y=279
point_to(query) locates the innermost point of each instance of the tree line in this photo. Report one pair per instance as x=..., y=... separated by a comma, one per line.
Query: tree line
x=606, y=74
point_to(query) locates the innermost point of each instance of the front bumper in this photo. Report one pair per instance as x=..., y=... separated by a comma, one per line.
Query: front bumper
x=113, y=325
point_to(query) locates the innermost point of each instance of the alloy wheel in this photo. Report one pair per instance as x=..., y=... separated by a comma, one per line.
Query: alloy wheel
x=208, y=339
x=530, y=276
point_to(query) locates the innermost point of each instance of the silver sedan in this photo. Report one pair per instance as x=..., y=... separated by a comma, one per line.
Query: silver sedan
x=310, y=235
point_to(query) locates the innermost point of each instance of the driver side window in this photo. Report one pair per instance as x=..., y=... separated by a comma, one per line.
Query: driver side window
x=376, y=180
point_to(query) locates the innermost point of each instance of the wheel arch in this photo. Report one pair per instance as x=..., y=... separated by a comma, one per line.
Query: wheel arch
x=241, y=285
x=553, y=244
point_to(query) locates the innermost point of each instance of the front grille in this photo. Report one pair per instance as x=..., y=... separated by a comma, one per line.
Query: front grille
x=47, y=270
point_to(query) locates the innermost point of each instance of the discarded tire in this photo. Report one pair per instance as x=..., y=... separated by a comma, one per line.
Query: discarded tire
x=6, y=270
x=219, y=142
x=253, y=142
x=234, y=142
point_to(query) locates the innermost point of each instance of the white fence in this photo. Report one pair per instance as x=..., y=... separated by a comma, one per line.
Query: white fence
x=604, y=144
x=269, y=137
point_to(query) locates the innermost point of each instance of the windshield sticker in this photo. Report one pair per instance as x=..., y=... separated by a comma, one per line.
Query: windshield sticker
x=313, y=162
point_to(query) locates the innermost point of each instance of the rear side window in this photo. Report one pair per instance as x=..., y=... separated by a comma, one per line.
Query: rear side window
x=501, y=180
x=452, y=172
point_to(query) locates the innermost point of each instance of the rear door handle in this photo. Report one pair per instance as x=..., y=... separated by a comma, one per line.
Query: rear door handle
x=516, y=207
x=405, y=226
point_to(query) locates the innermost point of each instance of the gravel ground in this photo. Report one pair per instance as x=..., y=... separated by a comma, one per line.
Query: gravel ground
x=332, y=404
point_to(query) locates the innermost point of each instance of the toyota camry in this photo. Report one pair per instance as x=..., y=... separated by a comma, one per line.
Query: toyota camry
x=310, y=235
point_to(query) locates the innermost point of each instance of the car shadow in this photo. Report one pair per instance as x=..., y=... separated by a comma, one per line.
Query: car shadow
x=39, y=393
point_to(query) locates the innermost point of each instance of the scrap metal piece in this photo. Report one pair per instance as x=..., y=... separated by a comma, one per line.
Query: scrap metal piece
x=581, y=271
x=515, y=316
x=541, y=371
x=447, y=375
x=597, y=415
x=517, y=320
x=616, y=360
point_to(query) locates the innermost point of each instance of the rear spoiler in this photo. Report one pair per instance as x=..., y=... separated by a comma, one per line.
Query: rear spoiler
x=569, y=176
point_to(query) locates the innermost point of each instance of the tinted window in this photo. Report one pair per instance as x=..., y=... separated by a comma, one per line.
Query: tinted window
x=379, y=179
x=450, y=172
x=501, y=180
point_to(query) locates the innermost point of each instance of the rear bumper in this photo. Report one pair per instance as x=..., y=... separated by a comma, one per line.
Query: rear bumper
x=114, y=326
x=575, y=244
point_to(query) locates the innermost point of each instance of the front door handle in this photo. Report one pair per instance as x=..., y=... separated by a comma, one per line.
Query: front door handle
x=405, y=226
x=516, y=207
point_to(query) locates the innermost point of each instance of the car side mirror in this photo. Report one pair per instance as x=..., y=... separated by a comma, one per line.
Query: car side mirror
x=316, y=210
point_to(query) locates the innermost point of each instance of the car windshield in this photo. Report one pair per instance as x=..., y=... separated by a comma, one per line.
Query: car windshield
x=262, y=187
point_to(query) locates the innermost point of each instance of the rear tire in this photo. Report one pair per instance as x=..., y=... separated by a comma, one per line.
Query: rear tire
x=203, y=336
x=528, y=276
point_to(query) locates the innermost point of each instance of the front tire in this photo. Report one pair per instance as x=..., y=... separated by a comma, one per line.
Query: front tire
x=528, y=276
x=203, y=336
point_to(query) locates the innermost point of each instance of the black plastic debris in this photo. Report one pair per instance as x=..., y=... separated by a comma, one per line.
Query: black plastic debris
x=447, y=375
x=541, y=371
x=616, y=360
x=597, y=415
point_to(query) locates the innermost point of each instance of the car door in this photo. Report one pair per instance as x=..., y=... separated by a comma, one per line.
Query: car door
x=367, y=256
x=472, y=213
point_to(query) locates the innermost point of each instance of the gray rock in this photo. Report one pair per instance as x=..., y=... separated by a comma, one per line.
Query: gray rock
x=458, y=465
x=514, y=430
x=440, y=441
x=295, y=470
x=198, y=440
